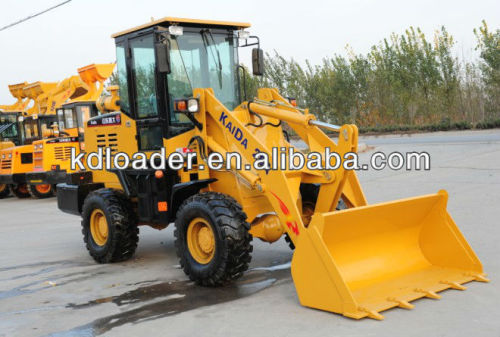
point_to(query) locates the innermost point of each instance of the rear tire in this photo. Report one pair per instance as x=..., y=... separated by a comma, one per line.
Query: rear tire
x=109, y=226
x=223, y=249
x=41, y=191
x=21, y=191
x=4, y=191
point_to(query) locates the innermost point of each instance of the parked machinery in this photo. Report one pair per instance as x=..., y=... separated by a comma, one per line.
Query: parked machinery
x=179, y=89
x=51, y=156
x=13, y=135
x=39, y=122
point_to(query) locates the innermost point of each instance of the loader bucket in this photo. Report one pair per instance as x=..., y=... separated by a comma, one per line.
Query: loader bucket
x=92, y=74
x=17, y=90
x=361, y=261
x=96, y=72
x=33, y=90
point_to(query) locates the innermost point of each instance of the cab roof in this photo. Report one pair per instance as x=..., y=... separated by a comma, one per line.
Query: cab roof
x=185, y=22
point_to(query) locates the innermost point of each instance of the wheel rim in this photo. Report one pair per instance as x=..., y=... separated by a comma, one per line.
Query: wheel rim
x=201, y=240
x=43, y=189
x=23, y=188
x=99, y=227
x=3, y=187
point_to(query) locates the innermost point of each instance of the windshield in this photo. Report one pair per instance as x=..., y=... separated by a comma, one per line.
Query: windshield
x=204, y=60
x=74, y=117
x=34, y=128
x=66, y=118
x=9, y=129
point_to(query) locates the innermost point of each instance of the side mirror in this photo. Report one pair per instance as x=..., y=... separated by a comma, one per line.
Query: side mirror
x=257, y=62
x=162, y=57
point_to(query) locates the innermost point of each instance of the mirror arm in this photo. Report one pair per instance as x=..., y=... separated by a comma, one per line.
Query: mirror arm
x=244, y=81
x=251, y=44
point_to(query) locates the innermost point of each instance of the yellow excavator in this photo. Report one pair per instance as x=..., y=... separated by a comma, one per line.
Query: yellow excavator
x=39, y=122
x=178, y=88
x=51, y=156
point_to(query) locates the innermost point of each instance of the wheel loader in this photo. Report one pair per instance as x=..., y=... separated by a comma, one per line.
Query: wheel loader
x=12, y=133
x=51, y=156
x=39, y=122
x=179, y=90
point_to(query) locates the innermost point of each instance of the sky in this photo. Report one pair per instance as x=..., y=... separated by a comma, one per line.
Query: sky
x=52, y=46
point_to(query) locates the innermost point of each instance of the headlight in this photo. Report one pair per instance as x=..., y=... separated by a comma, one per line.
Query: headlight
x=176, y=30
x=243, y=34
x=10, y=155
x=183, y=105
x=193, y=105
x=3, y=156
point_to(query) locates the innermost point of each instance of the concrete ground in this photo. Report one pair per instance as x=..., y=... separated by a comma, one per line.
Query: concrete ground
x=49, y=286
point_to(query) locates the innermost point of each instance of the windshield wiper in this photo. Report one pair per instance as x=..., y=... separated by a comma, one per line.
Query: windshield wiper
x=213, y=45
x=183, y=63
x=4, y=127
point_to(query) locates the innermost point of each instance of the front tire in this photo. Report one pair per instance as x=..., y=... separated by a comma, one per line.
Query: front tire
x=21, y=191
x=41, y=191
x=212, y=239
x=109, y=226
x=4, y=191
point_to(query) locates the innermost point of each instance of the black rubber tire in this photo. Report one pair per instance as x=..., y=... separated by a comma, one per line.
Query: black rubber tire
x=16, y=190
x=309, y=193
x=37, y=195
x=123, y=233
x=5, y=191
x=233, y=246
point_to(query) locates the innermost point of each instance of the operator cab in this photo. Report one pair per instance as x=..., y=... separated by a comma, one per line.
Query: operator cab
x=75, y=115
x=10, y=128
x=35, y=126
x=163, y=61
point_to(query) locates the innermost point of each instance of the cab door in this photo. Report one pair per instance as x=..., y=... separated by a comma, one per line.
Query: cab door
x=148, y=110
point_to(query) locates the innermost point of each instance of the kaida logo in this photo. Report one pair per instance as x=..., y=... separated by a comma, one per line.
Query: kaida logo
x=105, y=120
x=234, y=130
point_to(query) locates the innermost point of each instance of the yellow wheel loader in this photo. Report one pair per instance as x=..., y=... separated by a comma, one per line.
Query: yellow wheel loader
x=178, y=88
x=12, y=135
x=9, y=126
x=38, y=122
x=9, y=136
x=51, y=156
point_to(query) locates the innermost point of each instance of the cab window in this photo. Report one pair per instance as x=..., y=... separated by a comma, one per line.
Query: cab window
x=69, y=119
x=31, y=128
x=143, y=70
x=60, y=119
x=121, y=68
x=83, y=113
